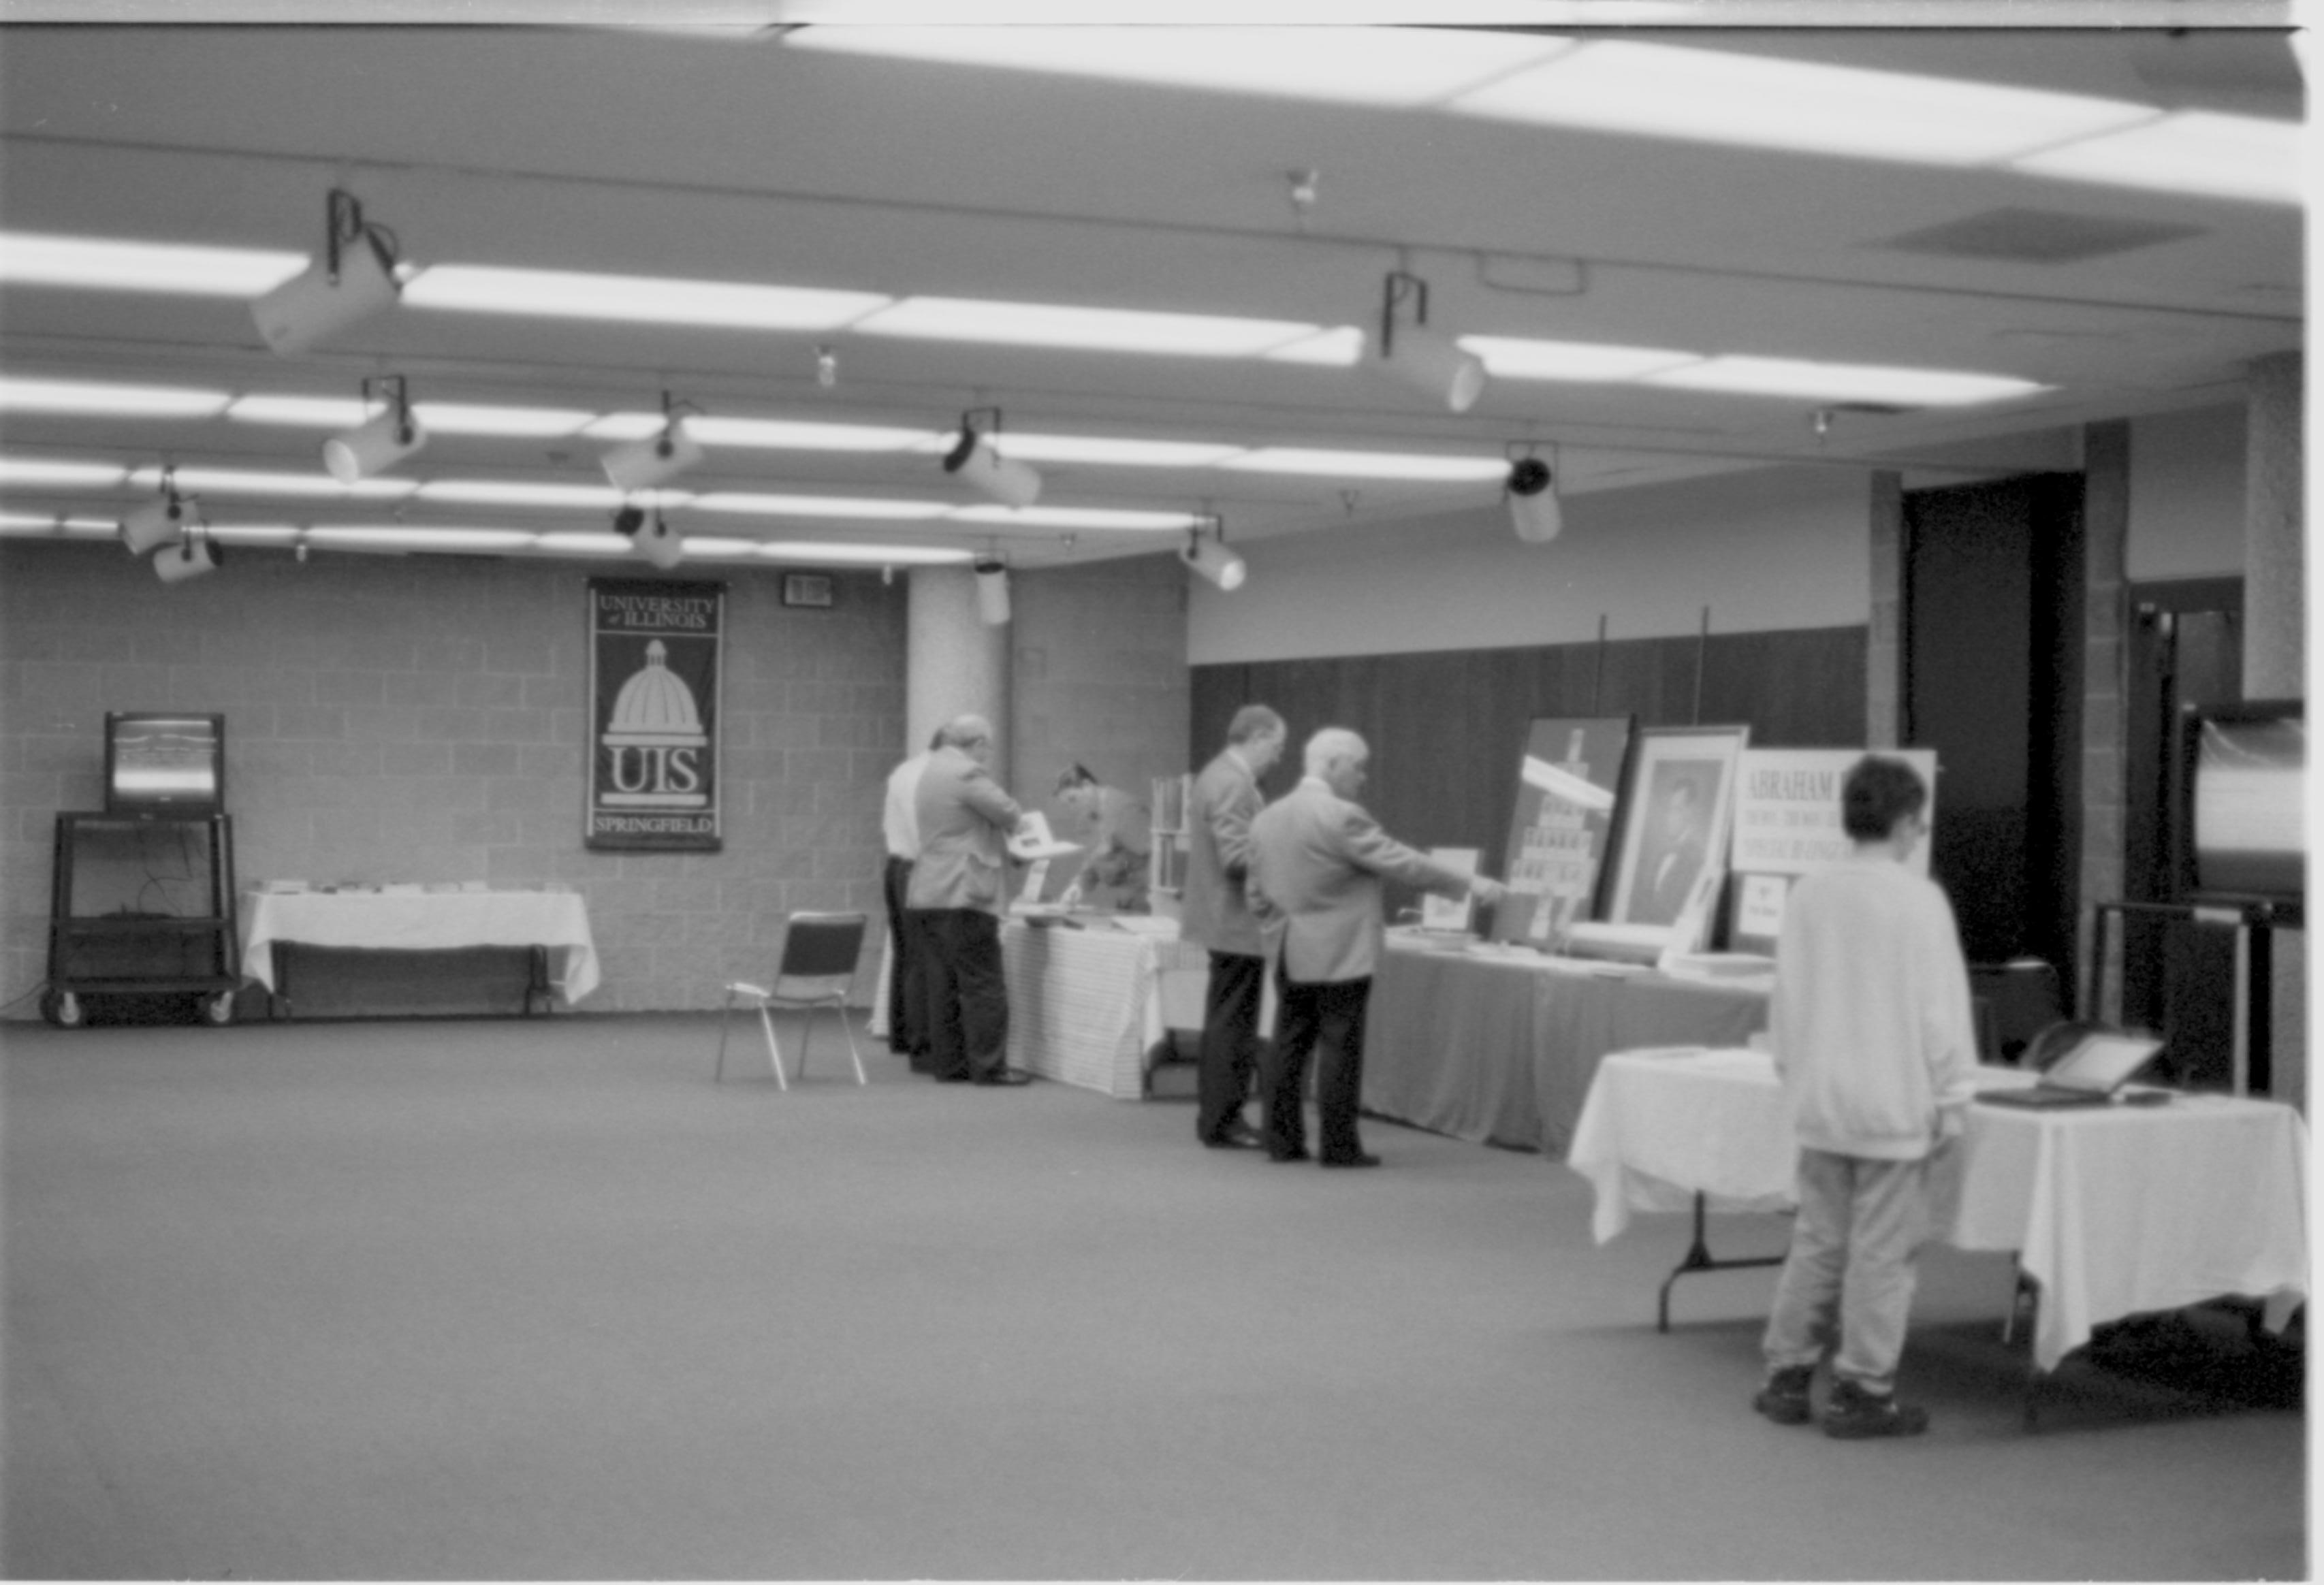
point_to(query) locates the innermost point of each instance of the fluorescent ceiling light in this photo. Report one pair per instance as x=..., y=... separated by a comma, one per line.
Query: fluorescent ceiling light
x=819, y=506
x=103, y=264
x=1094, y=449
x=605, y=543
x=252, y=481
x=1402, y=67
x=861, y=555
x=100, y=398
x=1368, y=465
x=85, y=528
x=313, y=412
x=782, y=435
x=462, y=417
x=1138, y=330
x=1074, y=517
x=637, y=299
x=1713, y=96
x=253, y=533
x=1509, y=357
x=1755, y=376
x=699, y=545
x=31, y=470
x=2190, y=150
x=399, y=537
x=1342, y=347
x=635, y=425
x=497, y=493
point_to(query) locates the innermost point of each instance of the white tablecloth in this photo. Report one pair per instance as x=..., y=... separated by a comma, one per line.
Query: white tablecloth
x=424, y=922
x=2114, y=1211
x=1085, y=1005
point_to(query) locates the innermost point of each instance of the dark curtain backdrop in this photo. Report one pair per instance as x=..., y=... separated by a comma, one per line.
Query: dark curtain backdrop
x=1446, y=727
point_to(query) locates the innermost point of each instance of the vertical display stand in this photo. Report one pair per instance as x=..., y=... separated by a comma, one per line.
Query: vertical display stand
x=119, y=925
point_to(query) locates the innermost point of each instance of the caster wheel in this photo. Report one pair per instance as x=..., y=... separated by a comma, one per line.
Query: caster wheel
x=62, y=1009
x=218, y=1011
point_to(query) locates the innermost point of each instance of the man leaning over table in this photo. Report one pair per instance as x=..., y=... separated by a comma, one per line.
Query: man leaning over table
x=1215, y=915
x=1873, y=1037
x=1318, y=862
x=959, y=889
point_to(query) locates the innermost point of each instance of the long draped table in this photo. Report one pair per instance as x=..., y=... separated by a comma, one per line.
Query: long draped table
x=1085, y=1002
x=557, y=922
x=2113, y=1210
x=1499, y=1045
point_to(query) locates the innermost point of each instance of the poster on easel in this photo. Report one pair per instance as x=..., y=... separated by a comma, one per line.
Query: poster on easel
x=1787, y=825
x=1568, y=777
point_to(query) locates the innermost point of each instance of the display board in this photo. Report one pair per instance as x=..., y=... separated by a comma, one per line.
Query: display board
x=1787, y=825
x=1568, y=778
x=2247, y=800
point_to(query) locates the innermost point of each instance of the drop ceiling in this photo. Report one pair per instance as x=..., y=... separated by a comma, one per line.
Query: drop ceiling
x=740, y=157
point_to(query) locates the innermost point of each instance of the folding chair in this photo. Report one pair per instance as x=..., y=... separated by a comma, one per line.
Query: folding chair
x=814, y=969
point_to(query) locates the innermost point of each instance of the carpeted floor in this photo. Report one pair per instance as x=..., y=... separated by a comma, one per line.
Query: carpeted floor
x=536, y=1299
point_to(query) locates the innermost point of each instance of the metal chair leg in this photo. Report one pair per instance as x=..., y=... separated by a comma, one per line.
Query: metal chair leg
x=726, y=1017
x=774, y=1052
x=853, y=1055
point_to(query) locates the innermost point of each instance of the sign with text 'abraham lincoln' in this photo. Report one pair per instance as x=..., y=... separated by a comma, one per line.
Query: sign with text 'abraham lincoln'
x=654, y=653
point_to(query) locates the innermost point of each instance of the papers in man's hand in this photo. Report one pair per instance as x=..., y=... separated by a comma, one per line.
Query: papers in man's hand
x=1448, y=913
x=1032, y=840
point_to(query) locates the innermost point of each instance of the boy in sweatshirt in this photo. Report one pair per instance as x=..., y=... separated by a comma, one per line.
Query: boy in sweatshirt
x=1872, y=1032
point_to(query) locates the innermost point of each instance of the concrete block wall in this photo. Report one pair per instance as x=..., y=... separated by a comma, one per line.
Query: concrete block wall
x=1099, y=675
x=423, y=719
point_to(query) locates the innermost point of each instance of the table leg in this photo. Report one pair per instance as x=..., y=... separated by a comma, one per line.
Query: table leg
x=1698, y=1258
x=278, y=995
x=537, y=985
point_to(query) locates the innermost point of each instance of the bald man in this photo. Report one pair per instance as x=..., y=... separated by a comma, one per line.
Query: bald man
x=958, y=893
x=1318, y=860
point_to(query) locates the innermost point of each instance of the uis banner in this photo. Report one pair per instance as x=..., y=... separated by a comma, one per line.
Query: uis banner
x=655, y=659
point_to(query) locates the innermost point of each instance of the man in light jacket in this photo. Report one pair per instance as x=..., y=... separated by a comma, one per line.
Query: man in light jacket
x=1317, y=865
x=908, y=1011
x=959, y=890
x=1872, y=1031
x=1214, y=914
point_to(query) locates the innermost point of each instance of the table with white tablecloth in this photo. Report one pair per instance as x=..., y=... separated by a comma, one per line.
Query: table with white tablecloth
x=1085, y=1002
x=2113, y=1210
x=557, y=923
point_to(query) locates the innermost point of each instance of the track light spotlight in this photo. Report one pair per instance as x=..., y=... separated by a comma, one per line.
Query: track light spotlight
x=1213, y=559
x=156, y=523
x=992, y=592
x=1428, y=363
x=826, y=367
x=641, y=464
x=1533, y=509
x=660, y=544
x=354, y=280
x=973, y=458
x=379, y=441
x=628, y=521
x=192, y=555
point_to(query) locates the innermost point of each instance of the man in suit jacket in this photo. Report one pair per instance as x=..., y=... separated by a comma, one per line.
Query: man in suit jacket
x=959, y=890
x=1215, y=914
x=907, y=1012
x=1318, y=860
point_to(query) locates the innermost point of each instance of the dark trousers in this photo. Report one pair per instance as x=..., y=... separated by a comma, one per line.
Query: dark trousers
x=968, y=992
x=907, y=995
x=1229, y=1040
x=1327, y=1020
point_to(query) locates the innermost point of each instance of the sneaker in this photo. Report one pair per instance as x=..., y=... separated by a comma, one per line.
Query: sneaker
x=1785, y=1397
x=1855, y=1413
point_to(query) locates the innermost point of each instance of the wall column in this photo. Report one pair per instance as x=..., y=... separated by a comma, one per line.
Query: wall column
x=2105, y=694
x=954, y=664
x=1883, y=659
x=2275, y=655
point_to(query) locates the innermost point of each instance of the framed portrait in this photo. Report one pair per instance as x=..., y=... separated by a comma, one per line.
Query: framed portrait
x=1675, y=815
